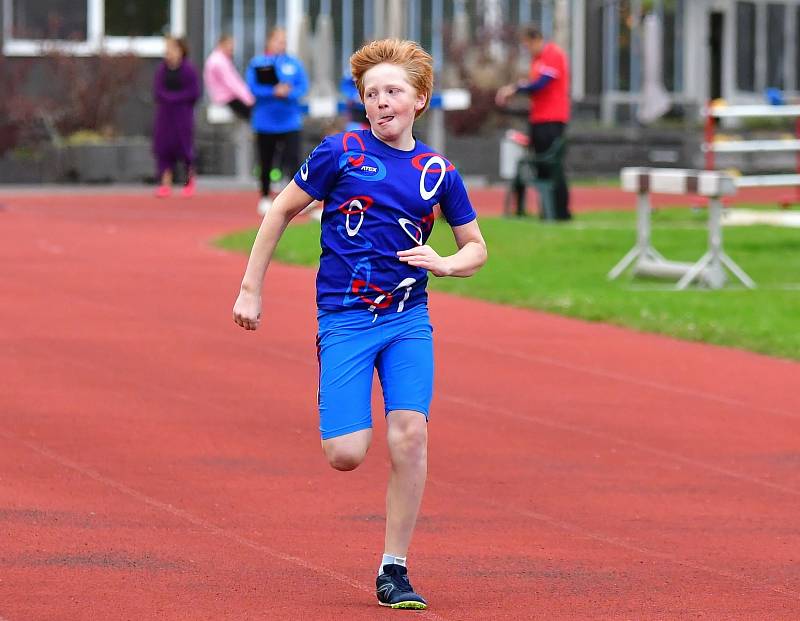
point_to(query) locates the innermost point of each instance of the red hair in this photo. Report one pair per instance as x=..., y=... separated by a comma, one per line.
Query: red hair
x=417, y=63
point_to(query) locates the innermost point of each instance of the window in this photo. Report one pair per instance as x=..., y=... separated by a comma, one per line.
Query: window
x=797, y=50
x=746, y=46
x=85, y=27
x=594, y=50
x=624, y=40
x=673, y=44
x=776, y=14
x=137, y=18
x=48, y=20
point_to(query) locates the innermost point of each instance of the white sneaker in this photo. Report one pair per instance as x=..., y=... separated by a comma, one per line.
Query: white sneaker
x=263, y=205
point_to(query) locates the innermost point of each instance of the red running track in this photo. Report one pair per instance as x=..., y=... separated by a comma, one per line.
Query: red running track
x=157, y=462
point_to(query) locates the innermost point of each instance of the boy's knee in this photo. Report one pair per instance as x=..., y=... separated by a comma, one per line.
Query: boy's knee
x=343, y=458
x=410, y=441
x=343, y=461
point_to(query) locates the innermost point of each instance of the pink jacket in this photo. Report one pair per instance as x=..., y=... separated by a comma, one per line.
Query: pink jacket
x=223, y=82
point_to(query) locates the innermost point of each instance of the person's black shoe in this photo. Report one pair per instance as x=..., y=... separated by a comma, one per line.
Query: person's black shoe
x=395, y=591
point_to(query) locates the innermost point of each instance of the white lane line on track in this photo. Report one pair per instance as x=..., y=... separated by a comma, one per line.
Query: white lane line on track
x=614, y=541
x=577, y=429
x=622, y=377
x=196, y=520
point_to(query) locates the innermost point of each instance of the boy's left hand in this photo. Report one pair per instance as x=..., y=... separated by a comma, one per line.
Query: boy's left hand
x=426, y=258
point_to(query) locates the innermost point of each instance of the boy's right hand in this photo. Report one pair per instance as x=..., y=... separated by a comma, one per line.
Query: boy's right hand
x=247, y=310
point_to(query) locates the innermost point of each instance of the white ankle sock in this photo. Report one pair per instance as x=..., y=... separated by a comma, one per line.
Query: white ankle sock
x=389, y=559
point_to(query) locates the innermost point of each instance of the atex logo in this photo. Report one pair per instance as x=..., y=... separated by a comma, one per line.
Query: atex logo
x=362, y=165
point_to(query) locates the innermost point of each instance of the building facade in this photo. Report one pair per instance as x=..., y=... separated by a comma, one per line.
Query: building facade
x=730, y=49
x=733, y=49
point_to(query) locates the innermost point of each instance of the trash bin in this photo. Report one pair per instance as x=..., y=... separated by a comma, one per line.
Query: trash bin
x=513, y=147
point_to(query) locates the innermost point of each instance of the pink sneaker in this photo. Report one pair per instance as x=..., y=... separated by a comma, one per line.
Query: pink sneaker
x=189, y=188
x=163, y=191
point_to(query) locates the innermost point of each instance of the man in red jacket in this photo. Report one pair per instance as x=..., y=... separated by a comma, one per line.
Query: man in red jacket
x=548, y=88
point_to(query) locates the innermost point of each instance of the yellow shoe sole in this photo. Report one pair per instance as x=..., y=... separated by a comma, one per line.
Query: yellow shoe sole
x=406, y=605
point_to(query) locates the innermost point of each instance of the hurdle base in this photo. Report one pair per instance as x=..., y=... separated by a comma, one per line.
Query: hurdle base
x=676, y=270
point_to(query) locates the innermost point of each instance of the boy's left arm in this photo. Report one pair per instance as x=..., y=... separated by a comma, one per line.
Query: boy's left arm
x=469, y=258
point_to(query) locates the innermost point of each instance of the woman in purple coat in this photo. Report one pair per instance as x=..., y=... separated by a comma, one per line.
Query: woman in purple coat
x=176, y=89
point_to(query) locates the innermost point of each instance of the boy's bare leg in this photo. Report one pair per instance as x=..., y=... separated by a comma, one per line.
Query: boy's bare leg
x=407, y=437
x=348, y=451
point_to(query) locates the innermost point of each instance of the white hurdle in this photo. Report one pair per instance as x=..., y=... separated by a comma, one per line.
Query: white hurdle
x=709, y=270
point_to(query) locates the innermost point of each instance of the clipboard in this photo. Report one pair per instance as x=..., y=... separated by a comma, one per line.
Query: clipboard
x=267, y=75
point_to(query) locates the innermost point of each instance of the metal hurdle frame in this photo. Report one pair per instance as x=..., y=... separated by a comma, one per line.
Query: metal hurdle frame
x=711, y=146
x=646, y=260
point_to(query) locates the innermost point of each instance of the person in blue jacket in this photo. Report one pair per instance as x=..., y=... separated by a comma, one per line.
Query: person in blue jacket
x=278, y=81
x=355, y=111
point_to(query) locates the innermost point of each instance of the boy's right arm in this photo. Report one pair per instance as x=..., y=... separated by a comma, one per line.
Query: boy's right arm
x=290, y=202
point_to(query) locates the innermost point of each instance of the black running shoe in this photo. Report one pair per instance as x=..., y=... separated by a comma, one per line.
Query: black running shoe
x=395, y=591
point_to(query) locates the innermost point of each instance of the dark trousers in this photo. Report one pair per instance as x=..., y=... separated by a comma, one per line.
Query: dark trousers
x=543, y=135
x=287, y=146
x=240, y=109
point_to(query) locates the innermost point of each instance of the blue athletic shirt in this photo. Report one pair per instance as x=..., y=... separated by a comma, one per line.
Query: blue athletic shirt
x=377, y=200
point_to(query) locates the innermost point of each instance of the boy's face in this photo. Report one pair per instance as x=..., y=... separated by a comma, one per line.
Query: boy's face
x=390, y=101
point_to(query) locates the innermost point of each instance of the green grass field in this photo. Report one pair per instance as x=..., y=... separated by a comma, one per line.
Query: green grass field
x=562, y=268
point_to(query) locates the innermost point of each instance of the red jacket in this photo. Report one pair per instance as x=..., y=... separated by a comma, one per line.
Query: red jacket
x=551, y=103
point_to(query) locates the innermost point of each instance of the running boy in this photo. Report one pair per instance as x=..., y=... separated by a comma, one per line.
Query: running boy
x=379, y=187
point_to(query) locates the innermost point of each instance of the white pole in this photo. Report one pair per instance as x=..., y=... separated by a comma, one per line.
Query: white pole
x=238, y=31
x=436, y=132
x=209, y=40
x=294, y=15
x=94, y=29
x=395, y=26
x=259, y=27
x=378, y=19
x=178, y=18
x=369, y=21
x=561, y=26
x=413, y=20
x=347, y=35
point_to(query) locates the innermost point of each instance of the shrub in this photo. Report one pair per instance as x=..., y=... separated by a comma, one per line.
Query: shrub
x=92, y=90
x=16, y=109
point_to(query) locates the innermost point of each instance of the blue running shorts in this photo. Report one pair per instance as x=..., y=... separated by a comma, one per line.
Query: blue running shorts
x=350, y=344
